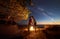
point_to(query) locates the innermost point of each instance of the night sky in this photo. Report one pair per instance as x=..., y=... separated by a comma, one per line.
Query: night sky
x=45, y=11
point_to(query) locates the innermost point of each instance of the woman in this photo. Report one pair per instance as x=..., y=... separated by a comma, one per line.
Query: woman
x=32, y=22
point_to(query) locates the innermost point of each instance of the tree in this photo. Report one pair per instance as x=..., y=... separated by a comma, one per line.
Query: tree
x=12, y=11
x=15, y=9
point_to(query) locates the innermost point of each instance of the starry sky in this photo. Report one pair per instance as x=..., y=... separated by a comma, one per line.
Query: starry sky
x=45, y=11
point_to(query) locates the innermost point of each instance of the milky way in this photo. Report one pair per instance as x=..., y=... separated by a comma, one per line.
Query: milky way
x=46, y=11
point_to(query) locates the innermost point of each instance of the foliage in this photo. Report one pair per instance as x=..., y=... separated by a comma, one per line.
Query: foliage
x=14, y=9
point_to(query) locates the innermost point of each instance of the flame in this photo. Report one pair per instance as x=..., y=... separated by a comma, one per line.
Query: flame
x=32, y=28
